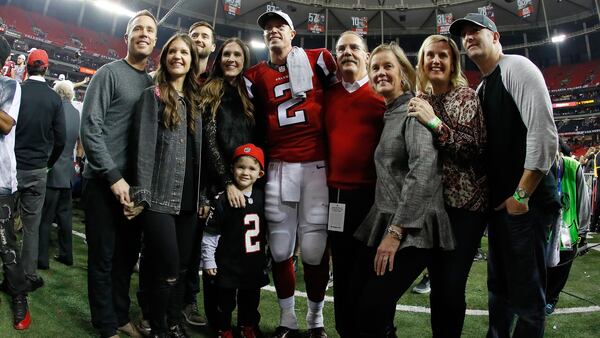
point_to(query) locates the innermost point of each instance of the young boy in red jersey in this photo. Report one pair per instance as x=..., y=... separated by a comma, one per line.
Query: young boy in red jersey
x=233, y=246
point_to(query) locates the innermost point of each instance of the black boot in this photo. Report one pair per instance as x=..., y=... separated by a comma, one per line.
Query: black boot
x=177, y=331
x=21, y=317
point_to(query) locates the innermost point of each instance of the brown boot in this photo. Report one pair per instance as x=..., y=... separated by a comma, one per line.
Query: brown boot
x=130, y=330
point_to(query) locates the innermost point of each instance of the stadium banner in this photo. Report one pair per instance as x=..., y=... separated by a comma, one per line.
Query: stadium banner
x=572, y=103
x=487, y=11
x=32, y=37
x=86, y=70
x=360, y=25
x=315, y=23
x=232, y=7
x=525, y=8
x=443, y=23
x=576, y=133
x=273, y=8
x=564, y=104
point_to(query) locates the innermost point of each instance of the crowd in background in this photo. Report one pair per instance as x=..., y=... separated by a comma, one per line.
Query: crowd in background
x=387, y=167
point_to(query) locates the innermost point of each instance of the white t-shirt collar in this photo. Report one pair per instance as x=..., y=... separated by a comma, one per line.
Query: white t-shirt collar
x=352, y=87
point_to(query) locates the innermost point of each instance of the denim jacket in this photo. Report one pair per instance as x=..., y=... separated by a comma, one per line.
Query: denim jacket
x=159, y=154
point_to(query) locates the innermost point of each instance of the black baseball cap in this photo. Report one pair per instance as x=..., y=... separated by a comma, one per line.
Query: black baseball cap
x=472, y=18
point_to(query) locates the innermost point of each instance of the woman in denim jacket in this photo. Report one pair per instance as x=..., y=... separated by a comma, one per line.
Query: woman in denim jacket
x=167, y=143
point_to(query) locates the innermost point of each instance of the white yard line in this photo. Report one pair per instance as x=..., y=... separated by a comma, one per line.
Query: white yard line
x=422, y=309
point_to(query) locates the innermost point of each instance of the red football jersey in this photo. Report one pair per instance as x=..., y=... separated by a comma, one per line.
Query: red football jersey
x=7, y=69
x=294, y=125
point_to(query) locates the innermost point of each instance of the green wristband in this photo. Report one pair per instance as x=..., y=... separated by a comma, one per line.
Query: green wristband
x=434, y=123
x=522, y=200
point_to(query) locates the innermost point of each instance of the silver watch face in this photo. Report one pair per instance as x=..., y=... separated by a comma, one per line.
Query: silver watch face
x=521, y=193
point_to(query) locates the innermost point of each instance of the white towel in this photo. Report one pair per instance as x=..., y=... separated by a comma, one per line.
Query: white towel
x=300, y=72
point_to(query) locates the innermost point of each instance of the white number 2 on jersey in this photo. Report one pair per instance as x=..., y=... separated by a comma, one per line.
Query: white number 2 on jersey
x=284, y=114
x=254, y=221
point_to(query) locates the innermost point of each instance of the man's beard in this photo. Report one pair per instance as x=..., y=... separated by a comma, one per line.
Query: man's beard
x=204, y=53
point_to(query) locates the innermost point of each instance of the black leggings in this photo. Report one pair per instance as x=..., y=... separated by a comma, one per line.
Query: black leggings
x=247, y=302
x=377, y=296
x=168, y=241
x=447, y=297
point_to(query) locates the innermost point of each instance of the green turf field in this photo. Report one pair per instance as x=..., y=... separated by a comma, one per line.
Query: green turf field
x=60, y=308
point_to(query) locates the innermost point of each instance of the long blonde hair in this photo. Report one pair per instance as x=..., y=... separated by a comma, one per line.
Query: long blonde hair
x=212, y=91
x=457, y=78
x=407, y=75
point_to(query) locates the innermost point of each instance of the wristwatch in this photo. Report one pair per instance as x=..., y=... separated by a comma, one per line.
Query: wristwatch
x=521, y=195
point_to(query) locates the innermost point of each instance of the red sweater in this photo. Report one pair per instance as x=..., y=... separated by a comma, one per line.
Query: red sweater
x=353, y=122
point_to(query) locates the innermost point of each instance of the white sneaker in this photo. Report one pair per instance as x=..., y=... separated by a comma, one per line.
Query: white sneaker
x=423, y=287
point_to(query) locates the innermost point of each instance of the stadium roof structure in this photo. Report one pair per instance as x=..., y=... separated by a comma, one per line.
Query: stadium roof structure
x=404, y=21
x=395, y=16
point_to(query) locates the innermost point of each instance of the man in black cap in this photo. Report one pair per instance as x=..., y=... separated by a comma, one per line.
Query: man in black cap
x=522, y=143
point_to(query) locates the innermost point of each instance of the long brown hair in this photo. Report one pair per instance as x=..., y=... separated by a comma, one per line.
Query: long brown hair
x=191, y=86
x=212, y=91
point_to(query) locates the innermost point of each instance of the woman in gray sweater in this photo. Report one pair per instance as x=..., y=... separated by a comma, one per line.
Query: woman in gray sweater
x=407, y=223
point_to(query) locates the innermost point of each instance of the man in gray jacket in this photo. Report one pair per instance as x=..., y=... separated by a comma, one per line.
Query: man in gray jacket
x=58, y=203
x=113, y=242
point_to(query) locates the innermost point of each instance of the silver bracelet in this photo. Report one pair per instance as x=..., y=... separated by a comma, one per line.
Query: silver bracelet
x=394, y=232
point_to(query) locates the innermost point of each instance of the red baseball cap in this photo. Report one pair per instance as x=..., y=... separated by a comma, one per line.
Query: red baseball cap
x=250, y=149
x=37, y=55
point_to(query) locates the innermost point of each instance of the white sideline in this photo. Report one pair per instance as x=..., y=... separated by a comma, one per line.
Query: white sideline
x=422, y=309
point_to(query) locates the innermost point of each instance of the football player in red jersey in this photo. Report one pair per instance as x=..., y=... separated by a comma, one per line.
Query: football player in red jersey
x=288, y=90
x=9, y=66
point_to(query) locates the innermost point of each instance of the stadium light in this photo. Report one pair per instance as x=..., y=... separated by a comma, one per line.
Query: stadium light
x=255, y=44
x=559, y=38
x=114, y=8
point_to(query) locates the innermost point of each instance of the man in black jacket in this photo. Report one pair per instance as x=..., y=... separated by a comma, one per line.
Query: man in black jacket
x=40, y=139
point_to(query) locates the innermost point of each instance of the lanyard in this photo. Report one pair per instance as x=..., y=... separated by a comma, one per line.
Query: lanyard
x=559, y=174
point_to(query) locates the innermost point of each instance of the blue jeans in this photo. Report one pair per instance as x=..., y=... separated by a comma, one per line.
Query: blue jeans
x=517, y=272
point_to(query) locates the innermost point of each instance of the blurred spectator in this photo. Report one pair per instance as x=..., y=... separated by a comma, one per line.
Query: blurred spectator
x=571, y=226
x=41, y=127
x=9, y=65
x=20, y=69
x=14, y=279
x=58, y=204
